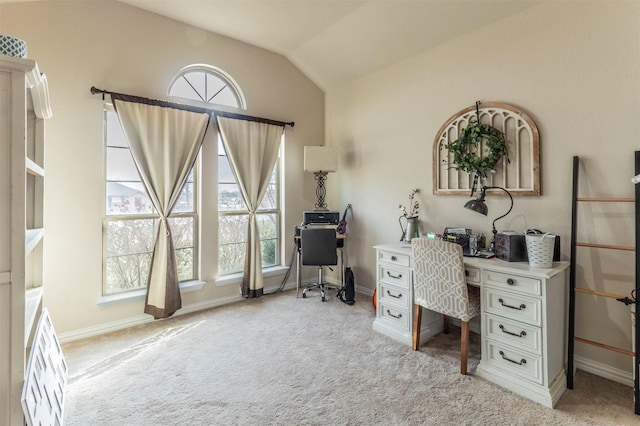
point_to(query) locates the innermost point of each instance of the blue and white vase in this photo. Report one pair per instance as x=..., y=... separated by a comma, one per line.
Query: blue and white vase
x=13, y=46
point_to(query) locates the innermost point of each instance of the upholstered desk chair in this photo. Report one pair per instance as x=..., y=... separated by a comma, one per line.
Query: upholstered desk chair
x=440, y=285
x=318, y=247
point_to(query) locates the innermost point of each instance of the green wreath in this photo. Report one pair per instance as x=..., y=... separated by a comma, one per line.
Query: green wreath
x=466, y=158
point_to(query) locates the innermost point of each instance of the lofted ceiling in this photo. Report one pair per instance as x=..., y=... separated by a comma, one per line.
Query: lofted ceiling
x=336, y=41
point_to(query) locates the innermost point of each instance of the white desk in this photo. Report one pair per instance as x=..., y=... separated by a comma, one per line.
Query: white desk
x=523, y=319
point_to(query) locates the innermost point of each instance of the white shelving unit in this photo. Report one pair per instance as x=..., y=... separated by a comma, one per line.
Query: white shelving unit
x=24, y=107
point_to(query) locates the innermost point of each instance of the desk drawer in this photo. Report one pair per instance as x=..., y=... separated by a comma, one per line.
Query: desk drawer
x=517, y=283
x=518, y=362
x=473, y=275
x=394, y=258
x=398, y=277
x=392, y=295
x=396, y=316
x=512, y=305
x=514, y=333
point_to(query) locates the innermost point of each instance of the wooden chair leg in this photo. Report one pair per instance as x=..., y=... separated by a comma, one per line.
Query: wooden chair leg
x=417, y=322
x=464, y=346
x=445, y=324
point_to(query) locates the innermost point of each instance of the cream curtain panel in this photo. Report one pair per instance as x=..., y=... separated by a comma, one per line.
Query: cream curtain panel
x=164, y=143
x=252, y=149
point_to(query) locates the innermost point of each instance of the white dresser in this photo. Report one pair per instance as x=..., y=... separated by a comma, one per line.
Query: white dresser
x=523, y=320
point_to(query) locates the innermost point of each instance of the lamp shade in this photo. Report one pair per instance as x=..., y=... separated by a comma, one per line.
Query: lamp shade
x=320, y=159
x=478, y=206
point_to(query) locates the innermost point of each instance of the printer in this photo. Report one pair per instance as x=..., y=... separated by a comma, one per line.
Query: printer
x=310, y=218
x=318, y=219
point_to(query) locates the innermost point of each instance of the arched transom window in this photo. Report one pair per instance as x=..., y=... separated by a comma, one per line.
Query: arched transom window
x=208, y=84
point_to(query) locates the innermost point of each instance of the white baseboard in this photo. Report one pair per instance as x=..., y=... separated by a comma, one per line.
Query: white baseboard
x=603, y=370
x=145, y=318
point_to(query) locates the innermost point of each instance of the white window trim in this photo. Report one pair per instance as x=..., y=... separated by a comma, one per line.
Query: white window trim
x=223, y=75
x=236, y=278
x=112, y=299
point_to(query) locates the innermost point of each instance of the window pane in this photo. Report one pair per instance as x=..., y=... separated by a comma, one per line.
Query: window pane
x=229, y=198
x=225, y=175
x=232, y=234
x=115, y=135
x=183, y=231
x=270, y=200
x=127, y=198
x=269, y=226
x=129, y=245
x=184, y=262
x=232, y=241
x=215, y=86
x=120, y=165
x=182, y=89
x=186, y=202
x=207, y=84
x=225, y=97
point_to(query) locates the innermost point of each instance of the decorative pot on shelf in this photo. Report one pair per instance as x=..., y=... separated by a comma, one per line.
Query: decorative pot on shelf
x=13, y=46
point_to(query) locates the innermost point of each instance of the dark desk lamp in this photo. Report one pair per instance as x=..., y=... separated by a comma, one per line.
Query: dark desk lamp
x=479, y=206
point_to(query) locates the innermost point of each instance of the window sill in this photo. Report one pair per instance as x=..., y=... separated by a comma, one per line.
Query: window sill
x=185, y=287
x=233, y=279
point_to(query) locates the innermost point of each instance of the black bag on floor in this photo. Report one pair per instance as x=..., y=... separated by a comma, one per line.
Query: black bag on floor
x=348, y=292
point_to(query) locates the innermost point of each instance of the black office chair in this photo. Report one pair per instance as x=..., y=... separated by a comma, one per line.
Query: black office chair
x=318, y=247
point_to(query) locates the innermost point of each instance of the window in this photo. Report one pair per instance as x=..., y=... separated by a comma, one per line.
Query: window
x=211, y=85
x=233, y=219
x=208, y=84
x=131, y=222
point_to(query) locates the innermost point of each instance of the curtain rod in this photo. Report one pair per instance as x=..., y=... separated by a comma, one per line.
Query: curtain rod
x=201, y=110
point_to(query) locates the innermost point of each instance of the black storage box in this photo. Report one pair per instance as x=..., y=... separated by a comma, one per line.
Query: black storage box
x=513, y=248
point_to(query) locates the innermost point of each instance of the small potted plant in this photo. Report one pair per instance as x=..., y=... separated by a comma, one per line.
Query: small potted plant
x=410, y=215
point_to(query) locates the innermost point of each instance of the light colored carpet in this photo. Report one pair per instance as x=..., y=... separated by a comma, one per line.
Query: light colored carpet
x=279, y=360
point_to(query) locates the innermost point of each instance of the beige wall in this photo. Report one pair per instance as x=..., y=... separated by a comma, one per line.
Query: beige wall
x=574, y=67
x=117, y=47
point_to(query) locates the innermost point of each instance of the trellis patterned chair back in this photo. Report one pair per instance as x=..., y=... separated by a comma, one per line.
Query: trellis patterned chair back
x=439, y=279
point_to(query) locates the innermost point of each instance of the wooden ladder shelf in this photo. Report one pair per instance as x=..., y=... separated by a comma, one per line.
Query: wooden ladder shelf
x=621, y=298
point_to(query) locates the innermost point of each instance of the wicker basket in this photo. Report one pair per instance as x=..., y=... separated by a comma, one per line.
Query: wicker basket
x=540, y=249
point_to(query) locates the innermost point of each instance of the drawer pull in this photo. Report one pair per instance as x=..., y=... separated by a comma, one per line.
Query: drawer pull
x=522, y=361
x=397, y=277
x=393, y=295
x=395, y=316
x=522, y=333
x=521, y=307
x=511, y=281
x=393, y=258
